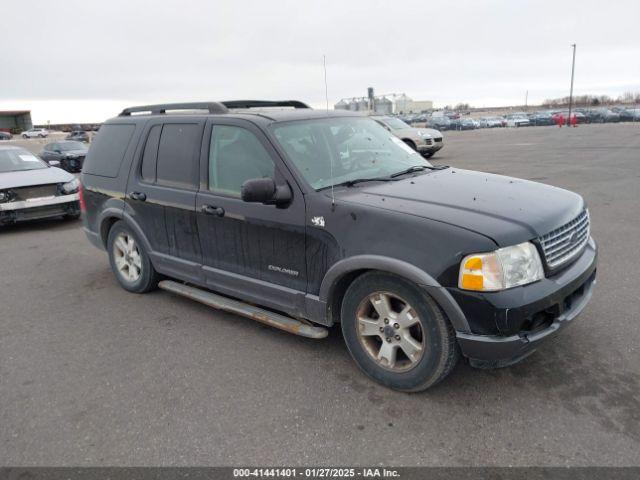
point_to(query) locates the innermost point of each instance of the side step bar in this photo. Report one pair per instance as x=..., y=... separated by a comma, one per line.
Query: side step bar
x=220, y=302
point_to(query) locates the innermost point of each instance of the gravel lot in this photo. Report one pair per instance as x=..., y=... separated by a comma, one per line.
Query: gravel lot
x=93, y=375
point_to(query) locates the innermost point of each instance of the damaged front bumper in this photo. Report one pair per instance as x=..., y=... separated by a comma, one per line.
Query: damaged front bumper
x=37, y=208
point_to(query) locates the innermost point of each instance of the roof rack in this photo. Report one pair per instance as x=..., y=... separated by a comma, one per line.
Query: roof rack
x=264, y=104
x=212, y=107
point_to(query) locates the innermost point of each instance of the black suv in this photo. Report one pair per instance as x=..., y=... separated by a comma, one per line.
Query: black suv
x=301, y=218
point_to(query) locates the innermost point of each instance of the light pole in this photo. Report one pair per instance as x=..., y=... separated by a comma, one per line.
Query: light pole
x=573, y=66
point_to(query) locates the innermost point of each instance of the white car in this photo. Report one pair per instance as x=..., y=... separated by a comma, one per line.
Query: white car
x=517, y=120
x=35, y=133
x=30, y=189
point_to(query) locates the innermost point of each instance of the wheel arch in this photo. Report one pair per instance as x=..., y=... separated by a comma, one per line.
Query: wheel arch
x=410, y=142
x=110, y=216
x=343, y=273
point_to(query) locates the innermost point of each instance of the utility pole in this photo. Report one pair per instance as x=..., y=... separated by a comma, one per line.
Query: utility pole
x=573, y=66
x=526, y=100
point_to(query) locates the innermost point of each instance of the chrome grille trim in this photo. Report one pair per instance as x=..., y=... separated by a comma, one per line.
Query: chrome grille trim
x=565, y=242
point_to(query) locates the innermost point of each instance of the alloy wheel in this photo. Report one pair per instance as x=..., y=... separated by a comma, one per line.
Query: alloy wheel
x=390, y=331
x=127, y=257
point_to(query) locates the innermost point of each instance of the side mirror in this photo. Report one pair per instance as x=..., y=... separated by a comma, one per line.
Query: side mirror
x=265, y=190
x=57, y=150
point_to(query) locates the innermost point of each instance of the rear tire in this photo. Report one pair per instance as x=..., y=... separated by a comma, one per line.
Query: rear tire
x=129, y=260
x=396, y=333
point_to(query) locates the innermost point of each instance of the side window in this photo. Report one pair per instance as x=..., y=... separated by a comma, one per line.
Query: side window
x=236, y=155
x=108, y=149
x=150, y=154
x=177, y=163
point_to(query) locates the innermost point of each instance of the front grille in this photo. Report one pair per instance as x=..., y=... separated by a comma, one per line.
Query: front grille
x=428, y=141
x=39, y=191
x=566, y=242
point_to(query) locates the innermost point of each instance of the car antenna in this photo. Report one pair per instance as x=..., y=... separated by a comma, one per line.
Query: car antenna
x=326, y=98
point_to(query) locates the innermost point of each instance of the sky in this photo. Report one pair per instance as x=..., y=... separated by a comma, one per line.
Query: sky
x=85, y=60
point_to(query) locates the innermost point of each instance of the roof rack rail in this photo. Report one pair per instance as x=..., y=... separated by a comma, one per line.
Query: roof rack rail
x=264, y=103
x=212, y=107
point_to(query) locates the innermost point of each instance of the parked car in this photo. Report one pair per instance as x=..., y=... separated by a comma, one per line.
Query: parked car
x=325, y=217
x=541, y=118
x=439, y=123
x=30, y=189
x=35, y=133
x=66, y=154
x=78, y=136
x=629, y=115
x=5, y=135
x=604, y=115
x=491, y=122
x=517, y=120
x=425, y=141
x=463, y=124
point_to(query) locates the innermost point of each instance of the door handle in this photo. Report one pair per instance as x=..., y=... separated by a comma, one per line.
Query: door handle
x=211, y=210
x=138, y=196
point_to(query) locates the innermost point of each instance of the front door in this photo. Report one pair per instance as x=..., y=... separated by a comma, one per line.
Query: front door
x=249, y=250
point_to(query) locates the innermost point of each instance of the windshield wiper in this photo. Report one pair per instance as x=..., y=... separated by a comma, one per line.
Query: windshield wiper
x=418, y=168
x=350, y=183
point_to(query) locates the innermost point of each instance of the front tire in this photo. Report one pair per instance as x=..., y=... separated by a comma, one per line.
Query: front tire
x=396, y=333
x=129, y=260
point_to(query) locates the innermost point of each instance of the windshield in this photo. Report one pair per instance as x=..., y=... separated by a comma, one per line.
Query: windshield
x=330, y=151
x=394, y=123
x=18, y=160
x=68, y=146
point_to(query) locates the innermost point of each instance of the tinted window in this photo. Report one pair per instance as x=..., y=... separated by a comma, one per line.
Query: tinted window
x=177, y=155
x=108, y=149
x=150, y=154
x=236, y=155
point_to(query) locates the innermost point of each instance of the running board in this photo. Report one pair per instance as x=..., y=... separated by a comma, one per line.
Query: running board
x=267, y=317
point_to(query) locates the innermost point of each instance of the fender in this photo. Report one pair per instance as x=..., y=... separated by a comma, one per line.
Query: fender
x=119, y=212
x=402, y=269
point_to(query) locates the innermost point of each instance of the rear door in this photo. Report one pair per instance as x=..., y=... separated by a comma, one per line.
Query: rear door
x=161, y=192
x=250, y=250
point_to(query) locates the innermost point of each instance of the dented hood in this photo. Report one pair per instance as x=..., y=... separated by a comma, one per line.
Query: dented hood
x=41, y=176
x=507, y=210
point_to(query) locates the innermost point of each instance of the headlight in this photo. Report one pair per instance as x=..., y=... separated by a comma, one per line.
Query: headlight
x=71, y=187
x=505, y=268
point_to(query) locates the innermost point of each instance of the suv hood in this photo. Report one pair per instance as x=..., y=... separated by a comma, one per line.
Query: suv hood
x=507, y=210
x=26, y=178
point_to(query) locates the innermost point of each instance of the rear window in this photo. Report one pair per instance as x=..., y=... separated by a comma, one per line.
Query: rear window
x=108, y=149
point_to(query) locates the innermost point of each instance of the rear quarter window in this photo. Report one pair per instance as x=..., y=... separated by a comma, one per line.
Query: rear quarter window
x=108, y=149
